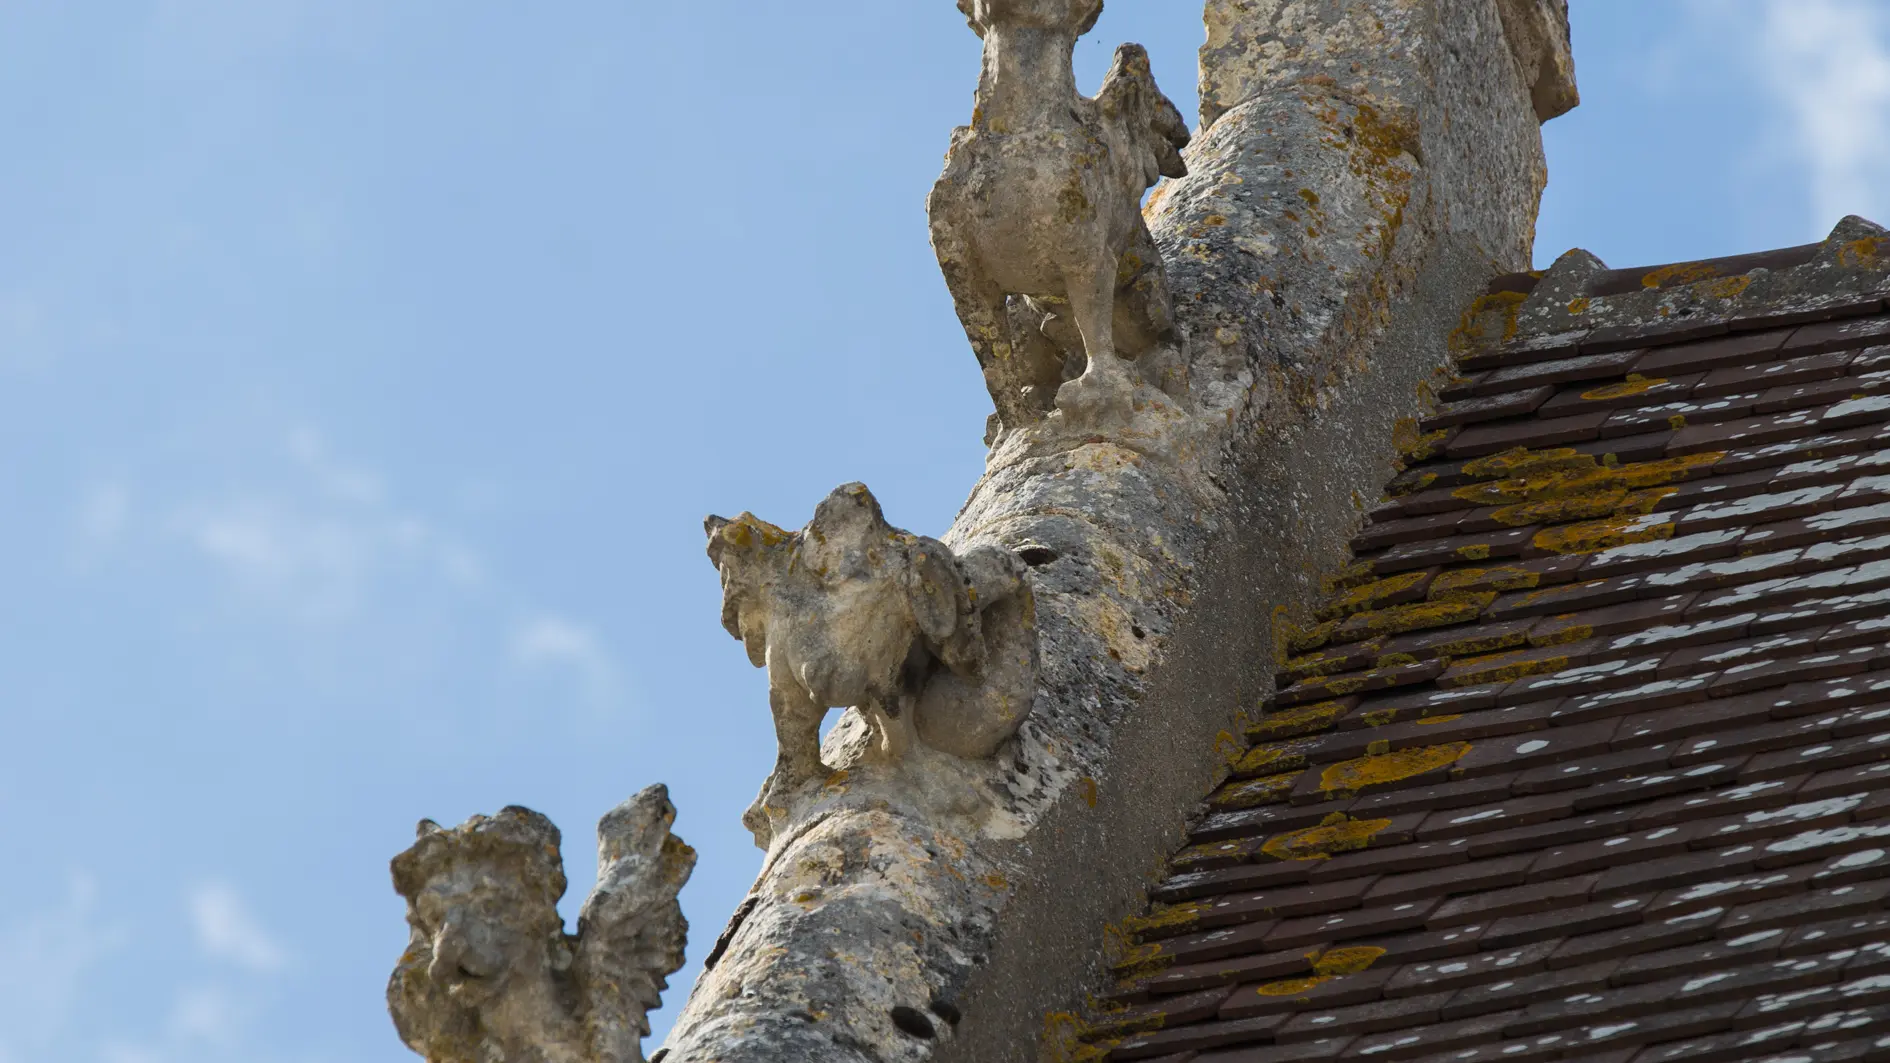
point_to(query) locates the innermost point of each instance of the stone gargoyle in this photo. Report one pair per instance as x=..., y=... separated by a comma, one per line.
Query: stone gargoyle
x=932, y=647
x=1041, y=200
x=490, y=976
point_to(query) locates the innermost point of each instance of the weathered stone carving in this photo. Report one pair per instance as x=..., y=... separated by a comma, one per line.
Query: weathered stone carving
x=932, y=647
x=490, y=976
x=1041, y=200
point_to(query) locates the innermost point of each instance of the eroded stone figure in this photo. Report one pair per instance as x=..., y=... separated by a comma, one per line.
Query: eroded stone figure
x=933, y=647
x=490, y=976
x=1041, y=200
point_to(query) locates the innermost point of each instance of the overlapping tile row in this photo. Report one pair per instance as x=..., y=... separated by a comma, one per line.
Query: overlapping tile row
x=1585, y=755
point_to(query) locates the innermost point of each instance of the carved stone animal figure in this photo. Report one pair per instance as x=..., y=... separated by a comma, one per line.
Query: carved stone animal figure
x=851, y=612
x=490, y=976
x=1041, y=198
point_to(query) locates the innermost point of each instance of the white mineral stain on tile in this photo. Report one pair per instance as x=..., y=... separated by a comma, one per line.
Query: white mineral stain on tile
x=1855, y=544
x=1867, y=404
x=1844, y=518
x=1754, y=505
x=1655, y=548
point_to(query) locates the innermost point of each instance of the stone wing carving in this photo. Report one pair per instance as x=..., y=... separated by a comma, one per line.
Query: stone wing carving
x=933, y=647
x=490, y=976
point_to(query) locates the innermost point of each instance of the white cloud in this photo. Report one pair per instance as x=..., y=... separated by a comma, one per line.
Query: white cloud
x=227, y=930
x=317, y=547
x=44, y=959
x=555, y=642
x=1828, y=64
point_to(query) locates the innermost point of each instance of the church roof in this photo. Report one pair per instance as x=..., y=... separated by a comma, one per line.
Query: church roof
x=1583, y=755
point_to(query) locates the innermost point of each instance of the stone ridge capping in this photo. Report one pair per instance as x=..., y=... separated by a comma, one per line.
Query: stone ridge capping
x=1584, y=756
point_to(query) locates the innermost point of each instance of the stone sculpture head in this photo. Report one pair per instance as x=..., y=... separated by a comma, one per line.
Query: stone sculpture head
x=487, y=946
x=1077, y=16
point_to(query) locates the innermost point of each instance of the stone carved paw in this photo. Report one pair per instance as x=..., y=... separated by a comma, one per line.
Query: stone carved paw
x=933, y=647
x=490, y=976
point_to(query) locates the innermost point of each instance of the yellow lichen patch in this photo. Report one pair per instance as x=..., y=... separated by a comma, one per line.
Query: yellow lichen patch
x=1578, y=304
x=1292, y=987
x=1490, y=320
x=1864, y=253
x=1324, y=662
x=1349, y=776
x=1336, y=833
x=1667, y=470
x=1371, y=595
x=1678, y=273
x=1396, y=660
x=1641, y=503
x=1426, y=447
x=749, y=530
x=1474, y=581
x=1414, y=484
x=1228, y=748
x=1503, y=667
x=1252, y=793
x=1355, y=959
x=1559, y=510
x=1264, y=760
x=1478, y=641
x=1521, y=461
x=1289, y=638
x=1563, y=636
x=1087, y=787
x=1635, y=384
x=996, y=881
x=1379, y=717
x=1298, y=720
x=1173, y=917
x=1725, y=287
x=1445, y=718
x=1351, y=575
x=1414, y=617
x=1590, y=536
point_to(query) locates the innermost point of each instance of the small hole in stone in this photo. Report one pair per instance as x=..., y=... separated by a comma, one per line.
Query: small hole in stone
x=947, y=1010
x=1136, y=630
x=913, y=1021
x=1037, y=556
x=661, y=1054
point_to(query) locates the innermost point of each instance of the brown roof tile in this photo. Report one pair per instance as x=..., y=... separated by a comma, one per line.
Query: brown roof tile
x=1588, y=760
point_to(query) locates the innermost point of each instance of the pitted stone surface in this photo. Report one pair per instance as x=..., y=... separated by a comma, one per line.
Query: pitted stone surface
x=1326, y=243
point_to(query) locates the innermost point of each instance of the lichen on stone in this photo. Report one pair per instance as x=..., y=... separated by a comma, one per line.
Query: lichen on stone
x=1337, y=833
x=1351, y=776
x=1298, y=720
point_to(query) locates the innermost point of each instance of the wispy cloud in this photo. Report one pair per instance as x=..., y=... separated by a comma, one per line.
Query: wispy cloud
x=558, y=643
x=44, y=960
x=332, y=545
x=314, y=546
x=228, y=930
x=1827, y=63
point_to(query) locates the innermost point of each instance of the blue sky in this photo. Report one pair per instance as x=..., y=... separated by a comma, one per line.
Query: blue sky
x=366, y=370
